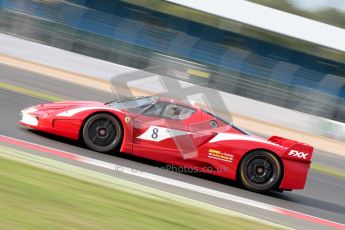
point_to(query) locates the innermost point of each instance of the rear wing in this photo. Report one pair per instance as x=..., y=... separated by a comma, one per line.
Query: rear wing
x=294, y=150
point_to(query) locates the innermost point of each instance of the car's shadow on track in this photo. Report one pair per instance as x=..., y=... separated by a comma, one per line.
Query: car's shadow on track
x=287, y=196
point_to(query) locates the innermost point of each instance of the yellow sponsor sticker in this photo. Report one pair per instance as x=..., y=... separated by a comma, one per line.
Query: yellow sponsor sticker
x=219, y=155
x=127, y=119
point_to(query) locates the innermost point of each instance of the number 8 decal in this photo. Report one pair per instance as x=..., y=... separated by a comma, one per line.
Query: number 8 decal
x=154, y=133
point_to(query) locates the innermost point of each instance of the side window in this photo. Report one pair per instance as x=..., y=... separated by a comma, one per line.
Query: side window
x=155, y=110
x=177, y=112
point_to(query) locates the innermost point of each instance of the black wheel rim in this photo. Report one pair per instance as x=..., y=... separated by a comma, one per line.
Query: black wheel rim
x=102, y=132
x=260, y=170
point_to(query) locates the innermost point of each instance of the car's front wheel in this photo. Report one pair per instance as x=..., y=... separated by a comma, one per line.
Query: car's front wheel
x=260, y=171
x=102, y=132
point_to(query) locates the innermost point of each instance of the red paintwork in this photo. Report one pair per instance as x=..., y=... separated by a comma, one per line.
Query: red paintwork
x=196, y=143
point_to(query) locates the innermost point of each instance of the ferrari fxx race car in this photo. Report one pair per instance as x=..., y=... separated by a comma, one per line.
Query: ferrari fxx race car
x=177, y=133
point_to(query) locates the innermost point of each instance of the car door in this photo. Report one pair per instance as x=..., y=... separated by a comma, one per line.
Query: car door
x=167, y=130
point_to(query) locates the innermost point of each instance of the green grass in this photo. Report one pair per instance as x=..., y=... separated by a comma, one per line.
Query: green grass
x=35, y=198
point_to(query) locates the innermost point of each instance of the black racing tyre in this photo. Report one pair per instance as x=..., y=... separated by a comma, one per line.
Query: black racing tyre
x=260, y=171
x=102, y=132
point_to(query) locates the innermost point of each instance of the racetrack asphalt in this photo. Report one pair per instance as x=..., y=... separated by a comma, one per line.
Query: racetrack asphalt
x=323, y=196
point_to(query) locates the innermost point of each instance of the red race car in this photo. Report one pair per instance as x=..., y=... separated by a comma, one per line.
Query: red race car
x=179, y=134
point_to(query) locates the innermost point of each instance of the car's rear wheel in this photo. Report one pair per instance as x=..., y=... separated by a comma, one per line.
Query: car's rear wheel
x=260, y=171
x=102, y=132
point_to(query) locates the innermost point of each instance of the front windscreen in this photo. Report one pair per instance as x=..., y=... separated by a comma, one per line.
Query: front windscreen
x=134, y=104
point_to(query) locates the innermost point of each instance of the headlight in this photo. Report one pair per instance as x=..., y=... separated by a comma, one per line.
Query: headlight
x=30, y=110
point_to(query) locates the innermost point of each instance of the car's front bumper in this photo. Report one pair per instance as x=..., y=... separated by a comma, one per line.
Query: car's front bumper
x=27, y=117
